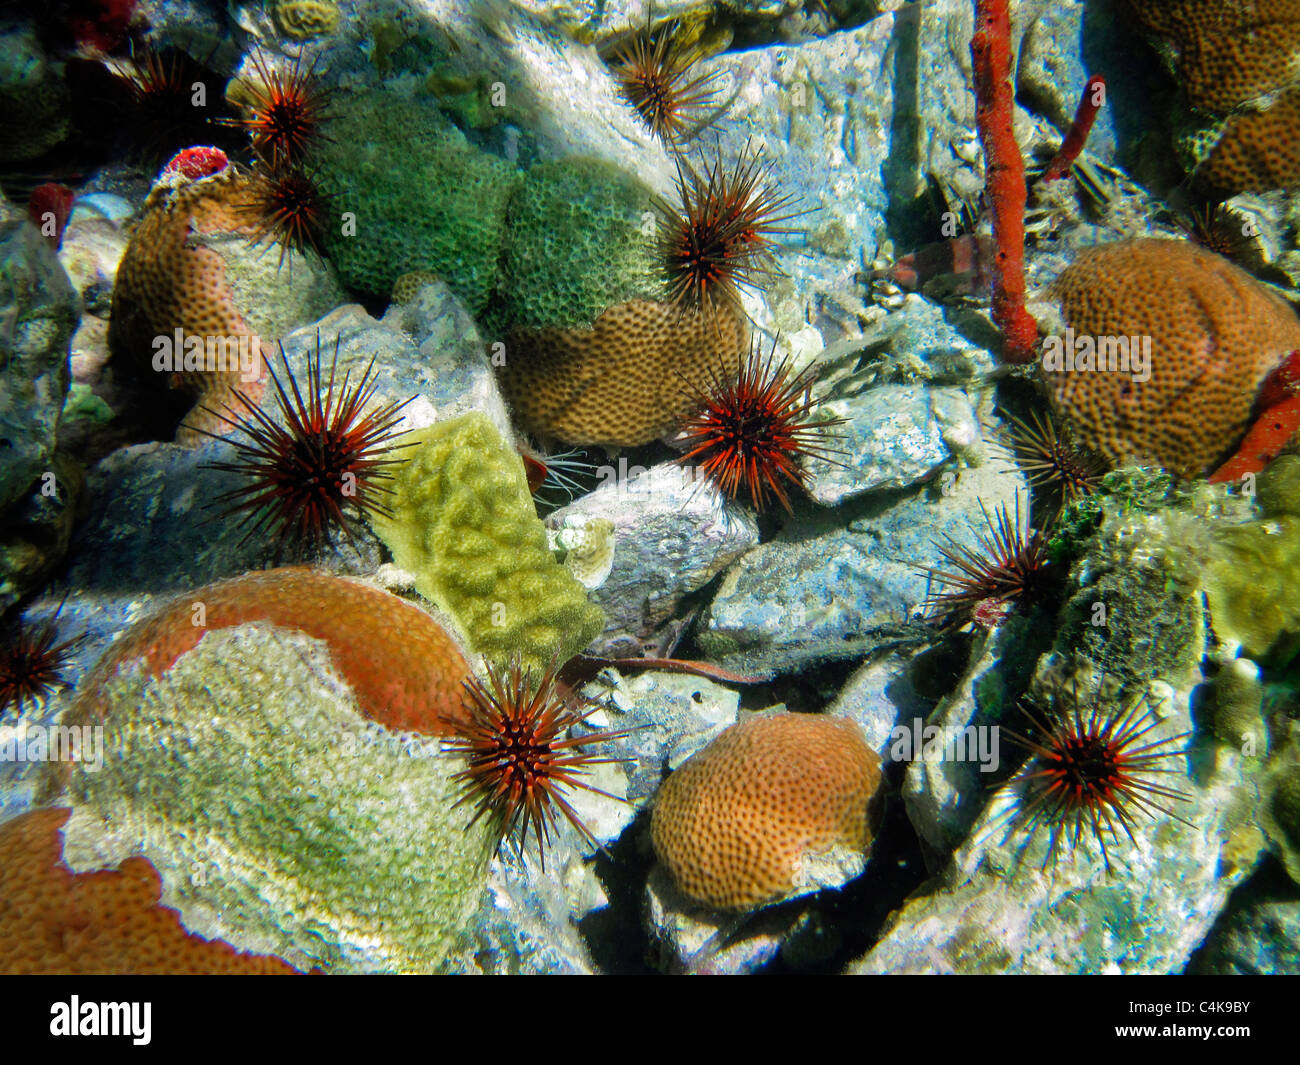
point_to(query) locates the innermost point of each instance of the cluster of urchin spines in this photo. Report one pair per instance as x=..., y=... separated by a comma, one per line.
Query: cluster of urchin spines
x=755, y=421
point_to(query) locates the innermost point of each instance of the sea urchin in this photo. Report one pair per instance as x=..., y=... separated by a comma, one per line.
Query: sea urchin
x=322, y=454
x=1093, y=771
x=1050, y=460
x=722, y=239
x=287, y=208
x=751, y=429
x=656, y=75
x=520, y=760
x=31, y=663
x=1008, y=564
x=283, y=112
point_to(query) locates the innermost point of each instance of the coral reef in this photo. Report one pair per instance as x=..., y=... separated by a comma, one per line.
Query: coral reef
x=1215, y=336
x=464, y=522
x=767, y=809
x=303, y=19
x=420, y=196
x=630, y=378
x=106, y=922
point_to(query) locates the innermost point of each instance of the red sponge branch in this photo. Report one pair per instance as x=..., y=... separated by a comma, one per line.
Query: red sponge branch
x=1094, y=95
x=1004, y=176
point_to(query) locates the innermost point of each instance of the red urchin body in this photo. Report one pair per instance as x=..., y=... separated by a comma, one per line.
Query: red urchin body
x=753, y=428
x=521, y=760
x=1094, y=772
x=32, y=663
x=324, y=455
x=1008, y=564
x=656, y=75
x=722, y=239
x=286, y=114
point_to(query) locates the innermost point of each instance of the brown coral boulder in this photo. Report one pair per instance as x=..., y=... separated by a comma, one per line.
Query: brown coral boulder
x=631, y=378
x=767, y=809
x=55, y=921
x=1213, y=334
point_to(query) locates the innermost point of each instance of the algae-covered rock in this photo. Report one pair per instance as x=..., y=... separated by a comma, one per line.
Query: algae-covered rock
x=279, y=818
x=1250, y=585
x=414, y=195
x=580, y=238
x=464, y=522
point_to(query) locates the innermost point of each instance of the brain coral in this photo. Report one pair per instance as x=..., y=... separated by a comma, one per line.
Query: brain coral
x=751, y=817
x=464, y=522
x=189, y=270
x=55, y=921
x=1239, y=67
x=403, y=667
x=279, y=818
x=630, y=378
x=304, y=19
x=579, y=239
x=422, y=197
x=1215, y=334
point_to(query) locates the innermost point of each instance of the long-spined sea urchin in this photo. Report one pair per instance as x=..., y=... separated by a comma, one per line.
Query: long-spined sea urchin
x=521, y=758
x=328, y=454
x=657, y=75
x=1093, y=771
x=752, y=429
x=723, y=237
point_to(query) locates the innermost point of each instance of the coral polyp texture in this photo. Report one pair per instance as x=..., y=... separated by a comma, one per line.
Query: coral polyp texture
x=105, y=922
x=463, y=521
x=766, y=809
x=579, y=239
x=420, y=197
x=630, y=378
x=279, y=815
x=1215, y=335
x=524, y=760
x=194, y=305
x=1239, y=67
x=403, y=667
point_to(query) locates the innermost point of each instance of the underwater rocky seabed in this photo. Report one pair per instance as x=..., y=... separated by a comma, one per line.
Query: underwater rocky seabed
x=493, y=169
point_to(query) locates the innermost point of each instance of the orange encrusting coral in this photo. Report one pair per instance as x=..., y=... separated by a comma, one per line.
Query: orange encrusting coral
x=55, y=921
x=737, y=822
x=405, y=669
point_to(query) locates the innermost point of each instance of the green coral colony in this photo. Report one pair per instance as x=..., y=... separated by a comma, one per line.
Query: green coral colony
x=1019, y=659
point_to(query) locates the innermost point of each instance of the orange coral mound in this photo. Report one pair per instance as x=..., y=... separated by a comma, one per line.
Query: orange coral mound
x=1216, y=334
x=55, y=921
x=736, y=823
x=629, y=379
x=405, y=669
x=170, y=279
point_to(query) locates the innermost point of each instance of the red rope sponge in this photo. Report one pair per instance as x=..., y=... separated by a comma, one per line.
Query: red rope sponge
x=1004, y=181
